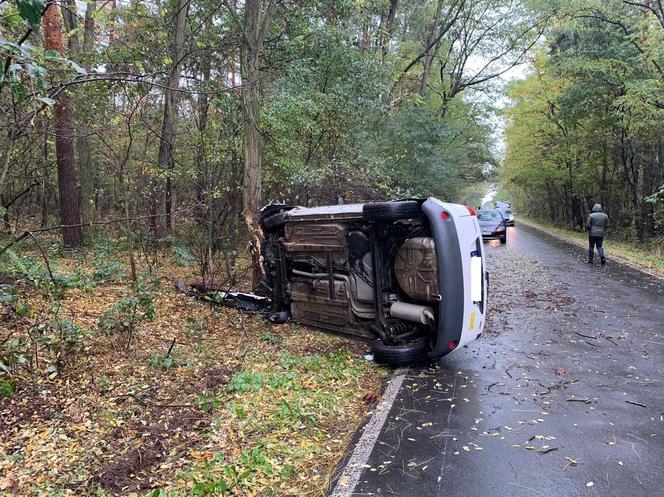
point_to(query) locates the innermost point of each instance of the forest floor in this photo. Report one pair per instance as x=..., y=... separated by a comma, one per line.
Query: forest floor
x=194, y=400
x=651, y=260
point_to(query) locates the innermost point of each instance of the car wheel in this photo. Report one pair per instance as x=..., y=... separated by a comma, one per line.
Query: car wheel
x=275, y=221
x=391, y=211
x=400, y=355
x=503, y=240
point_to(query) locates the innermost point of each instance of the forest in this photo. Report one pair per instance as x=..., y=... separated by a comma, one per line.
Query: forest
x=586, y=124
x=139, y=141
x=184, y=118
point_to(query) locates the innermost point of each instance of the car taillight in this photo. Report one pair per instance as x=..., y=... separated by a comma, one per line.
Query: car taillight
x=444, y=216
x=471, y=210
x=452, y=345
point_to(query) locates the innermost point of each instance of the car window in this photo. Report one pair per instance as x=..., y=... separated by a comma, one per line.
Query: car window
x=489, y=216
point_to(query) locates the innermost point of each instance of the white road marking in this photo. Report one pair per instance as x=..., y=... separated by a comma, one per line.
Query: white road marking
x=351, y=474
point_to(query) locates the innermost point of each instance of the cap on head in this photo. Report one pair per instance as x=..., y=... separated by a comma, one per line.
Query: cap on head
x=597, y=208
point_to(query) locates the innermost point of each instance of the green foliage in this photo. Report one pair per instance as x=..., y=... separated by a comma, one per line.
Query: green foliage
x=182, y=255
x=132, y=310
x=63, y=331
x=587, y=124
x=108, y=271
x=269, y=338
x=209, y=402
x=219, y=478
x=57, y=335
x=6, y=388
x=162, y=493
x=8, y=293
x=245, y=381
x=31, y=11
x=428, y=155
x=27, y=269
x=162, y=361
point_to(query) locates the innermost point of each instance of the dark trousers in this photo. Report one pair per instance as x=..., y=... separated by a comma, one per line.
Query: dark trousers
x=592, y=242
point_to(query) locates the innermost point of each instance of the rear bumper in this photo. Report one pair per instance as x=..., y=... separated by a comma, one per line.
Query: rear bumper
x=493, y=236
x=457, y=239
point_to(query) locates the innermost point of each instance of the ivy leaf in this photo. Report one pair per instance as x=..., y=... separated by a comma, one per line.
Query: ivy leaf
x=31, y=11
x=48, y=101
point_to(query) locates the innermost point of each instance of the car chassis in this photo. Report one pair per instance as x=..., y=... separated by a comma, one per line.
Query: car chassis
x=408, y=274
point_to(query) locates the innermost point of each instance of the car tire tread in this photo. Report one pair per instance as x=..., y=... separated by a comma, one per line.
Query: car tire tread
x=275, y=221
x=400, y=355
x=391, y=211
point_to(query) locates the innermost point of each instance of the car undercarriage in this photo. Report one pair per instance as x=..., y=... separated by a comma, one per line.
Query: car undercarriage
x=367, y=270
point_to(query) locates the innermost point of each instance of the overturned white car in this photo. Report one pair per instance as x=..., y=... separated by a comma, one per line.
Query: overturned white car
x=408, y=274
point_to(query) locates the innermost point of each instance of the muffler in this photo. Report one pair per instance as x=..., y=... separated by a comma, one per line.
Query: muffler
x=410, y=312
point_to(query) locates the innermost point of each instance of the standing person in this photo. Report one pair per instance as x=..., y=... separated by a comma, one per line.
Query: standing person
x=597, y=224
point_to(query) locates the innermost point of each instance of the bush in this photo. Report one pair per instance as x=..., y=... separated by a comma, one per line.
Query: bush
x=108, y=271
x=6, y=388
x=131, y=311
x=245, y=381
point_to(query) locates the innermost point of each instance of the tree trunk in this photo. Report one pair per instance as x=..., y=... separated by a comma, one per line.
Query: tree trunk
x=386, y=35
x=431, y=51
x=85, y=167
x=171, y=94
x=70, y=214
x=255, y=28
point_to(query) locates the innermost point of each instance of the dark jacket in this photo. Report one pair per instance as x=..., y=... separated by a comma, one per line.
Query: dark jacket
x=598, y=222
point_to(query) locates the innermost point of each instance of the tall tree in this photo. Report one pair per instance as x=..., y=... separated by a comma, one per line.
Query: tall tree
x=257, y=19
x=166, y=160
x=70, y=213
x=387, y=30
x=86, y=168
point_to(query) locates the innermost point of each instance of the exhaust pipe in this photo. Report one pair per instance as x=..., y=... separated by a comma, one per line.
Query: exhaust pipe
x=410, y=312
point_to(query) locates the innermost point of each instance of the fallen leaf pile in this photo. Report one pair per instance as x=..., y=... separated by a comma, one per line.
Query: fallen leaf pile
x=242, y=405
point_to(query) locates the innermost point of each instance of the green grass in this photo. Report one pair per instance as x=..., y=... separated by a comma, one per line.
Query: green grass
x=628, y=252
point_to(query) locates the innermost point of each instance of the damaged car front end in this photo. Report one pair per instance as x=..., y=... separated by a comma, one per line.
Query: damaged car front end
x=409, y=275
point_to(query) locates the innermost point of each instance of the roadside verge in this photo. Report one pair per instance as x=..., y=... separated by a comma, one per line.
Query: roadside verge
x=642, y=261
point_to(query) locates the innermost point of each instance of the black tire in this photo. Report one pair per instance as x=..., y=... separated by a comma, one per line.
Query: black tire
x=391, y=211
x=400, y=355
x=275, y=221
x=503, y=240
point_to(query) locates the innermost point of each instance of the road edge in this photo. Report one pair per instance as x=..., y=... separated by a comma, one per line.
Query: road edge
x=578, y=243
x=352, y=470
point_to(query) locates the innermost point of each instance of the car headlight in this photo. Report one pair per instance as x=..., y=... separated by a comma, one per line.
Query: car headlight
x=500, y=228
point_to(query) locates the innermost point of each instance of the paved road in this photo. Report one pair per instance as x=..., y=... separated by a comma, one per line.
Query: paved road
x=563, y=396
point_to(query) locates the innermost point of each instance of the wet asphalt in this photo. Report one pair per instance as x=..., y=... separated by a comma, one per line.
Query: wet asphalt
x=562, y=396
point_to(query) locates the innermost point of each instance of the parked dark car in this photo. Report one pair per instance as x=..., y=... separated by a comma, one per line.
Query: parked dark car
x=505, y=207
x=493, y=225
x=409, y=275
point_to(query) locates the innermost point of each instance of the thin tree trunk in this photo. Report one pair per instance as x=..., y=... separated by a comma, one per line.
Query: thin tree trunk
x=70, y=214
x=167, y=140
x=431, y=51
x=386, y=35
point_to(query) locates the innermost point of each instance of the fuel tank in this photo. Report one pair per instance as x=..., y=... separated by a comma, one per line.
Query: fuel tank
x=416, y=269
